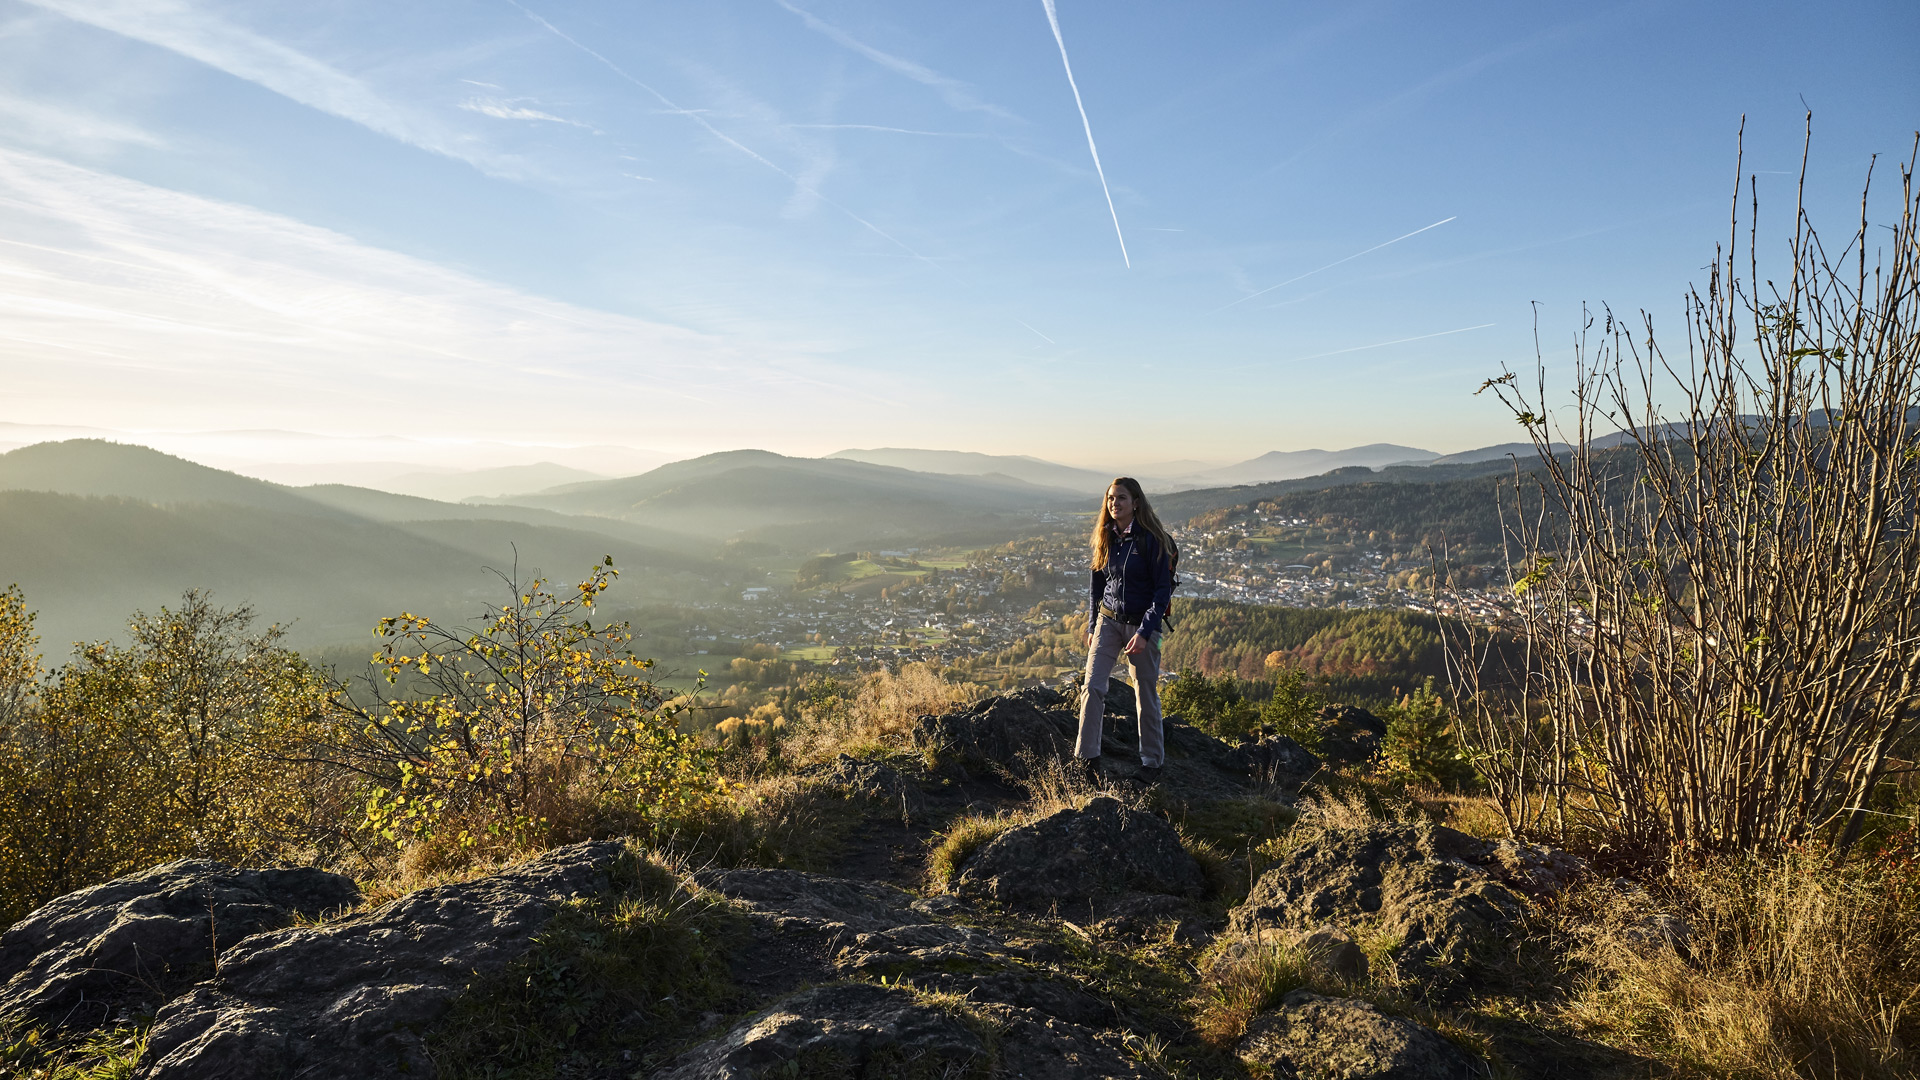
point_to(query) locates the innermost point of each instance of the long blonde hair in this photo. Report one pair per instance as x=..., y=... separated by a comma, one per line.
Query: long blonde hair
x=1143, y=514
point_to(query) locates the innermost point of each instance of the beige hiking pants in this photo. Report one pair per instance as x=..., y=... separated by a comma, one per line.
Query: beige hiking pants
x=1109, y=644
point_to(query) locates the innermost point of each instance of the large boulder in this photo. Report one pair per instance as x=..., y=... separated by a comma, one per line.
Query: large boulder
x=1350, y=734
x=795, y=900
x=1310, y=1037
x=870, y=930
x=865, y=1030
x=872, y=780
x=1423, y=886
x=1037, y=720
x=85, y=958
x=1069, y=857
x=351, y=998
x=858, y=1029
x=1275, y=758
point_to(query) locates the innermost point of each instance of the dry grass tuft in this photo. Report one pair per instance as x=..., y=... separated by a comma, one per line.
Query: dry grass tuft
x=1790, y=968
x=875, y=716
x=1055, y=783
x=1240, y=983
x=783, y=820
x=961, y=840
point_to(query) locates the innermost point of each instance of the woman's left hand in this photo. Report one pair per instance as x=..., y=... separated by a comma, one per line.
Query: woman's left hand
x=1136, y=645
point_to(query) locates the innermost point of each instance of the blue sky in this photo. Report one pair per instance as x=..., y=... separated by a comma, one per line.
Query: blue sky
x=813, y=224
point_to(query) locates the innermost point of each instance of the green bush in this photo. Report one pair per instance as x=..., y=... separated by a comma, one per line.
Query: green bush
x=1293, y=711
x=189, y=740
x=1215, y=705
x=1421, y=747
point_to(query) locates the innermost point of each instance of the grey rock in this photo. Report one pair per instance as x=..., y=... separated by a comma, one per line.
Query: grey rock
x=1035, y=1046
x=1186, y=741
x=1638, y=920
x=1036, y=720
x=1350, y=734
x=903, y=949
x=1420, y=884
x=350, y=998
x=942, y=904
x=1334, y=952
x=813, y=903
x=861, y=1029
x=1140, y=916
x=970, y=962
x=85, y=957
x=873, y=780
x=852, y=1030
x=1318, y=1038
x=1275, y=756
x=1535, y=869
x=1072, y=856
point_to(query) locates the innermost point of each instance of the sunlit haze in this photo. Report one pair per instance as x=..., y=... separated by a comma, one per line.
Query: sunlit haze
x=608, y=235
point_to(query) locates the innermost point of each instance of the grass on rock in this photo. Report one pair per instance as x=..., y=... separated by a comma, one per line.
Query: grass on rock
x=616, y=981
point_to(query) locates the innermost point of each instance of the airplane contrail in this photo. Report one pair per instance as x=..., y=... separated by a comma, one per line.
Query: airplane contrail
x=1053, y=19
x=716, y=132
x=1395, y=341
x=1332, y=264
x=1043, y=337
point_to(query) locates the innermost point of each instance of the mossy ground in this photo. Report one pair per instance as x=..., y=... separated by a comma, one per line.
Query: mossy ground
x=613, y=982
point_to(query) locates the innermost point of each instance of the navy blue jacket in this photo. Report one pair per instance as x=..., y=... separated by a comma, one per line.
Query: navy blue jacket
x=1137, y=583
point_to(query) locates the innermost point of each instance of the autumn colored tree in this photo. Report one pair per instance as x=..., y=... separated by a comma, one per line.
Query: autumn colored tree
x=531, y=727
x=185, y=741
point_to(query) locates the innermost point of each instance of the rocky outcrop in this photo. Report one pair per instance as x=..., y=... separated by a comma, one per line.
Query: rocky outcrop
x=351, y=998
x=861, y=1029
x=1310, y=1037
x=1072, y=856
x=83, y=959
x=1037, y=720
x=1275, y=757
x=1422, y=886
x=873, y=780
x=1349, y=734
x=849, y=1030
x=812, y=903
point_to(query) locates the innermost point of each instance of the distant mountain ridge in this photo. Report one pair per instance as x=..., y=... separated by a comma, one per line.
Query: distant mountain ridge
x=1294, y=464
x=92, y=530
x=1033, y=470
x=801, y=502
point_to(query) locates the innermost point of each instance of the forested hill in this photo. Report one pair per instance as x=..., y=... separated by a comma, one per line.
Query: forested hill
x=1181, y=505
x=1369, y=655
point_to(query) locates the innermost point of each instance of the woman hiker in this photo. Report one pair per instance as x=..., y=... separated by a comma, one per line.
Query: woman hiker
x=1133, y=561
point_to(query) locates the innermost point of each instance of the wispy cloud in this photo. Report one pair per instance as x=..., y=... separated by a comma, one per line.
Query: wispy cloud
x=956, y=93
x=52, y=125
x=1053, y=19
x=892, y=130
x=1331, y=265
x=136, y=306
x=501, y=110
x=183, y=28
x=800, y=183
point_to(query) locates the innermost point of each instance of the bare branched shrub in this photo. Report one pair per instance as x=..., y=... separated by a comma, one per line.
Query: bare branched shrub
x=1721, y=643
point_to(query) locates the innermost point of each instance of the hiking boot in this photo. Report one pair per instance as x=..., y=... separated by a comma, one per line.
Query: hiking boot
x=1088, y=769
x=1149, y=775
